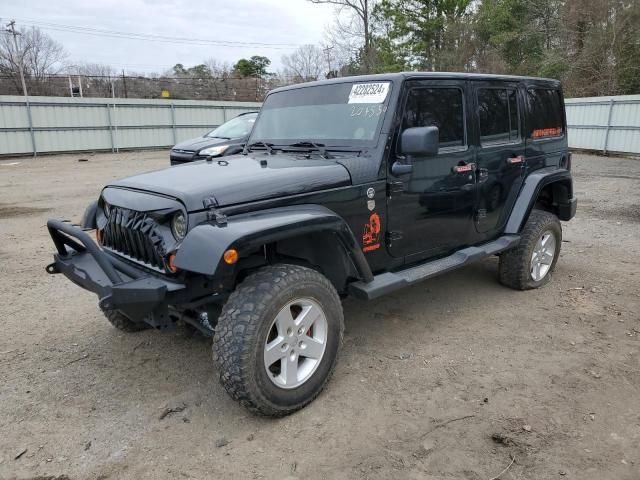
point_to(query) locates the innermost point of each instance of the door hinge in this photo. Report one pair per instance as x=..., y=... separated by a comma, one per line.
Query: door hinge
x=394, y=187
x=393, y=236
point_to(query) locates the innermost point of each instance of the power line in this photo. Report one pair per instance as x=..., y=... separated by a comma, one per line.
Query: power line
x=152, y=37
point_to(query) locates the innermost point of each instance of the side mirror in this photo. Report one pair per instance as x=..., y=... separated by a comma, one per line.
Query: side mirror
x=421, y=141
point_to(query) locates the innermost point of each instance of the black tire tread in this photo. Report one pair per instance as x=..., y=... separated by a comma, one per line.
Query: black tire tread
x=240, y=321
x=514, y=263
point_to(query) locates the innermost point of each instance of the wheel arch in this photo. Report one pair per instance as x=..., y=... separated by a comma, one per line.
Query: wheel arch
x=312, y=234
x=549, y=189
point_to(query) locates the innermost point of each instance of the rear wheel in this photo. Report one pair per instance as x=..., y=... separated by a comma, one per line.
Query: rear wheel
x=122, y=322
x=531, y=263
x=277, y=339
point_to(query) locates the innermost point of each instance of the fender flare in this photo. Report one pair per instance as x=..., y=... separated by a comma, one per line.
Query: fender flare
x=89, y=216
x=202, y=249
x=533, y=185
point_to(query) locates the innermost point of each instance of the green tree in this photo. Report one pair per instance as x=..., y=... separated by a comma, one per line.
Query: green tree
x=421, y=28
x=199, y=71
x=256, y=66
x=509, y=27
x=178, y=69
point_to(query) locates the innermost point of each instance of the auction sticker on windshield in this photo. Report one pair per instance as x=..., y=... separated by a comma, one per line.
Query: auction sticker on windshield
x=369, y=92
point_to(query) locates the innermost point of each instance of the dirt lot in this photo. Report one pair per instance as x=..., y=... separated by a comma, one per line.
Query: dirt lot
x=449, y=379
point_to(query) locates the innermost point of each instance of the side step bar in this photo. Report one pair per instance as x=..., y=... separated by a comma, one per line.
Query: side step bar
x=389, y=282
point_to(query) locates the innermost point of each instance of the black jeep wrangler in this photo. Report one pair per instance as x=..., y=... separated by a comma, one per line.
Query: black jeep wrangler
x=353, y=186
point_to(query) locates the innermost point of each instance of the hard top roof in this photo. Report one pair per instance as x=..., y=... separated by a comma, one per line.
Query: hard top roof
x=398, y=77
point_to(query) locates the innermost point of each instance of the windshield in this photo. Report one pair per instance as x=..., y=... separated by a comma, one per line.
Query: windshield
x=342, y=114
x=237, y=128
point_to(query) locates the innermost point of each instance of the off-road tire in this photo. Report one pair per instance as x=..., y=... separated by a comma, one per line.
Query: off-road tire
x=121, y=322
x=515, y=264
x=243, y=327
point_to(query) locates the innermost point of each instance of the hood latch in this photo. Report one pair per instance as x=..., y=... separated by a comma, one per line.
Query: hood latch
x=214, y=215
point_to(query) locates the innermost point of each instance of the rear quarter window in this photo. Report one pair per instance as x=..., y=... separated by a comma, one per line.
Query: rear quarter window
x=546, y=119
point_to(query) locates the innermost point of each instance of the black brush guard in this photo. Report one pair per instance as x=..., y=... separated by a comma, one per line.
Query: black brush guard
x=138, y=294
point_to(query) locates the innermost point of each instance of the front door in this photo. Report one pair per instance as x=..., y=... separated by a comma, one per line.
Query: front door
x=430, y=210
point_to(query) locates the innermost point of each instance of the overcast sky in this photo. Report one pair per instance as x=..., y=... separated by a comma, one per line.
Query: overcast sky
x=264, y=21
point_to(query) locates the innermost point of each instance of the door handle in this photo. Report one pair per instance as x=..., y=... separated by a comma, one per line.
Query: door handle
x=466, y=168
x=517, y=160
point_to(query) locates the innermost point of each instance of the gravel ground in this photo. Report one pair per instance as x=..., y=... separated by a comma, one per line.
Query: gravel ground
x=452, y=378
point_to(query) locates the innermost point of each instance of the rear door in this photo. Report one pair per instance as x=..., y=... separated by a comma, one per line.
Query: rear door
x=500, y=152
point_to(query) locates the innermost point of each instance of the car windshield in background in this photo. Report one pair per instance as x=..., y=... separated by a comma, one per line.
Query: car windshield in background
x=237, y=128
x=341, y=114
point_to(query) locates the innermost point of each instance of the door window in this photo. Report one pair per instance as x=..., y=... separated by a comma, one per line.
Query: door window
x=439, y=107
x=498, y=112
x=546, y=113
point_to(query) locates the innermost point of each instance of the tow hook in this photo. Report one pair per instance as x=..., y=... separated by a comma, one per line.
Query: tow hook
x=52, y=268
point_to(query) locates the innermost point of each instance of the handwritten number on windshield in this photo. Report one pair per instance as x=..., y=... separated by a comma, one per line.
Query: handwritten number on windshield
x=368, y=111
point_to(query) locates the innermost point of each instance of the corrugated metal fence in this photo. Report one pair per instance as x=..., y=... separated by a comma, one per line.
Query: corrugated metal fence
x=58, y=124
x=607, y=124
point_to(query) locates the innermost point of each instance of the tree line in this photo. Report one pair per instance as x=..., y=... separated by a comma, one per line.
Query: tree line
x=592, y=46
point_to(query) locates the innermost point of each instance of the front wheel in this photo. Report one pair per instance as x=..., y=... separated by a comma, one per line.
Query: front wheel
x=277, y=339
x=530, y=264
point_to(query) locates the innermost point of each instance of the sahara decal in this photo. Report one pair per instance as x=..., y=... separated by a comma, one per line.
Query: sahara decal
x=546, y=132
x=371, y=234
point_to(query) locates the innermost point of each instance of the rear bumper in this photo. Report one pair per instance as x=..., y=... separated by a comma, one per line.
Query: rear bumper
x=566, y=211
x=138, y=294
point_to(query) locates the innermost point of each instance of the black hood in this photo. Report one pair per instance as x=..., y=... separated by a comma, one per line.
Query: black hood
x=197, y=144
x=240, y=179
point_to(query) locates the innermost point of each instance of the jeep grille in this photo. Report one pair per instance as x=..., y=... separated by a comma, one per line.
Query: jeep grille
x=132, y=234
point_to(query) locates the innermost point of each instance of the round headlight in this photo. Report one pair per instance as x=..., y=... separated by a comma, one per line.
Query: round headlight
x=179, y=226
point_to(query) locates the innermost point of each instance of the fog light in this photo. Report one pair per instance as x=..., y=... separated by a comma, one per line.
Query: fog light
x=231, y=256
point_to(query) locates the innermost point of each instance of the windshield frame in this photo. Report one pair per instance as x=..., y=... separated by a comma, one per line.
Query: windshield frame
x=331, y=144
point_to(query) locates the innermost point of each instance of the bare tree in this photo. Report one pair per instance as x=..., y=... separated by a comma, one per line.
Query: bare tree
x=359, y=26
x=305, y=64
x=38, y=53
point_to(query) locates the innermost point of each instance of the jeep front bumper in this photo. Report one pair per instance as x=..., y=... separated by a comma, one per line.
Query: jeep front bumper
x=138, y=294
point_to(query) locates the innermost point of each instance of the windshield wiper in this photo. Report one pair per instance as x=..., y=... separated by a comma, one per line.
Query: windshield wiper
x=218, y=136
x=318, y=146
x=268, y=146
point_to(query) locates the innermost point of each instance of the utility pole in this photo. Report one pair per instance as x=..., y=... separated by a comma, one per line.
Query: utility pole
x=11, y=28
x=124, y=84
x=327, y=52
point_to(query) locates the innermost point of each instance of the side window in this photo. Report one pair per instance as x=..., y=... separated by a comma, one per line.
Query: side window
x=439, y=107
x=545, y=119
x=498, y=112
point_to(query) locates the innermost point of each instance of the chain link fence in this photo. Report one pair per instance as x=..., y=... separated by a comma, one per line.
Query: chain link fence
x=225, y=87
